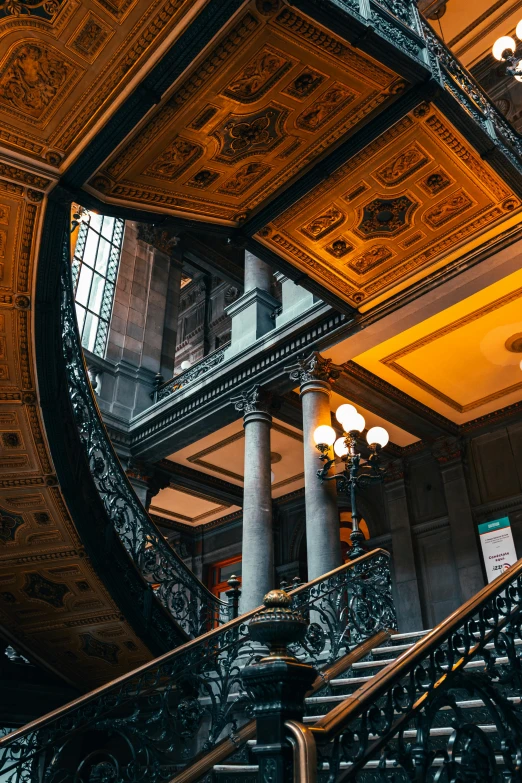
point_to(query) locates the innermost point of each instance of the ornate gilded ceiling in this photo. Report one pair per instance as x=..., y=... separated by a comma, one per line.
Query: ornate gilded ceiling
x=64, y=63
x=393, y=210
x=52, y=601
x=265, y=102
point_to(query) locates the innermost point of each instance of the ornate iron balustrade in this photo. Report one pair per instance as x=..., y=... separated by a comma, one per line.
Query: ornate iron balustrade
x=459, y=82
x=390, y=719
x=193, y=607
x=151, y=723
x=181, y=380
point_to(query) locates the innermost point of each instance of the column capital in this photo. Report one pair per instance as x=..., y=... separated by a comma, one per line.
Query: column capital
x=313, y=367
x=161, y=239
x=448, y=449
x=253, y=400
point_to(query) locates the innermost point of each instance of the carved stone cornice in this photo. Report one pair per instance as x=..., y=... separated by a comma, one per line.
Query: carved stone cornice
x=448, y=449
x=395, y=471
x=161, y=239
x=253, y=400
x=313, y=367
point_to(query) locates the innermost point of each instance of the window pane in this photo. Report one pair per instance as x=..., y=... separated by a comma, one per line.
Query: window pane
x=84, y=285
x=95, y=299
x=108, y=225
x=91, y=246
x=103, y=256
x=80, y=315
x=95, y=221
x=89, y=331
x=94, y=271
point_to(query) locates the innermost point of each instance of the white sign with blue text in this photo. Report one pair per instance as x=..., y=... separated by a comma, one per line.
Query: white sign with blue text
x=498, y=547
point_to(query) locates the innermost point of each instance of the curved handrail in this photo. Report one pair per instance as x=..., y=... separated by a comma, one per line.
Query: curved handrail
x=209, y=666
x=188, y=600
x=447, y=648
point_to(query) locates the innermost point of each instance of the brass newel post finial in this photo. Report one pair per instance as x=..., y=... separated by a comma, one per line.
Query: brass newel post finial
x=277, y=684
x=278, y=625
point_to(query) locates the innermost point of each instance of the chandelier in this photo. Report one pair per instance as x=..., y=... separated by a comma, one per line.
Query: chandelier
x=505, y=50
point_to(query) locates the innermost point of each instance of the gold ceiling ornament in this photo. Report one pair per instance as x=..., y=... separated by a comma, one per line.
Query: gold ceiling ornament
x=268, y=100
x=423, y=192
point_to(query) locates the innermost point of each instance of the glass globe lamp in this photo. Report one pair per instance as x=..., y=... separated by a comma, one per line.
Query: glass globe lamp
x=340, y=447
x=343, y=412
x=377, y=436
x=353, y=422
x=518, y=30
x=324, y=435
x=502, y=44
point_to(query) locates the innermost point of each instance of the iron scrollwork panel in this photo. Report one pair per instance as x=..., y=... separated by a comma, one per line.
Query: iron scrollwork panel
x=193, y=607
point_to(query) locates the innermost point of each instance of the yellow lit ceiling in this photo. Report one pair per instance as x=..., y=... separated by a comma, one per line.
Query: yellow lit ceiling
x=457, y=362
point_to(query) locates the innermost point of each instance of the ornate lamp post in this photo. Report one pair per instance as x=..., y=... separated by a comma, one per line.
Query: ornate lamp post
x=357, y=472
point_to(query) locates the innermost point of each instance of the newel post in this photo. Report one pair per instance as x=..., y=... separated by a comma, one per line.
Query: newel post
x=277, y=684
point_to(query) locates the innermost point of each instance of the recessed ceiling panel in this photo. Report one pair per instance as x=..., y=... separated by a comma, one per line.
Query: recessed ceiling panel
x=464, y=362
x=272, y=96
x=393, y=211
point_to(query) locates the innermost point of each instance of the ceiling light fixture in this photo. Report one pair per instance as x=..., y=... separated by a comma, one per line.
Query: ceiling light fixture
x=505, y=50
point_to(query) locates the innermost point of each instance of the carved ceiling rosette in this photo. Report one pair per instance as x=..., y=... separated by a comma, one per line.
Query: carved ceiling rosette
x=314, y=368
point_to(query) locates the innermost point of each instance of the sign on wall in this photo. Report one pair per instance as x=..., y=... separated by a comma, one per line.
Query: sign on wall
x=498, y=547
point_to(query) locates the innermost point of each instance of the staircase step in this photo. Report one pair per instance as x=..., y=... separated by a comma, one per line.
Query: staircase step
x=347, y=681
x=399, y=637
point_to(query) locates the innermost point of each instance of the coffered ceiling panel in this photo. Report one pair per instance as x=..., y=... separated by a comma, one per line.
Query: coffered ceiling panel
x=63, y=63
x=187, y=506
x=394, y=212
x=465, y=362
x=265, y=102
x=222, y=454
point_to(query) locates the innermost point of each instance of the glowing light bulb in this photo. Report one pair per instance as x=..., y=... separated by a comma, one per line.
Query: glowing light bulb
x=340, y=447
x=324, y=435
x=343, y=411
x=354, y=422
x=377, y=436
x=518, y=30
x=505, y=42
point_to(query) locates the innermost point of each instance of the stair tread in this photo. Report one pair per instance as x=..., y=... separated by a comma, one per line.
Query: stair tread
x=478, y=664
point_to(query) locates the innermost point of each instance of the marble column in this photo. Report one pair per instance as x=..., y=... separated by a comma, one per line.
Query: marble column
x=323, y=543
x=406, y=586
x=258, y=544
x=449, y=454
x=253, y=313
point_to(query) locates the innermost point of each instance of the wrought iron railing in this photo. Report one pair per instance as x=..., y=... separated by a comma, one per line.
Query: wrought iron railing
x=193, y=373
x=472, y=660
x=469, y=94
x=193, y=607
x=151, y=723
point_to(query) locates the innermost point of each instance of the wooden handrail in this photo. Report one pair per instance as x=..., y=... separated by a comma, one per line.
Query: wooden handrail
x=332, y=724
x=81, y=701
